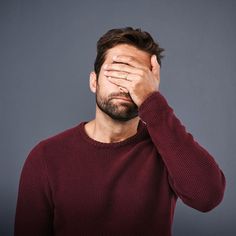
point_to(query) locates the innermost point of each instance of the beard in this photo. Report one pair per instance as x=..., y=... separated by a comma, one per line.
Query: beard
x=122, y=111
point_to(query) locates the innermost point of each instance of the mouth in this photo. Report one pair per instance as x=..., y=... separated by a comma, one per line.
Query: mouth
x=123, y=98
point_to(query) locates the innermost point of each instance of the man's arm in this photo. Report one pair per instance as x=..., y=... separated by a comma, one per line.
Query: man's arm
x=34, y=210
x=193, y=173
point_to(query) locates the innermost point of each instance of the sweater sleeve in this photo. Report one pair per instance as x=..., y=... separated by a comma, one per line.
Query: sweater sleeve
x=193, y=173
x=34, y=210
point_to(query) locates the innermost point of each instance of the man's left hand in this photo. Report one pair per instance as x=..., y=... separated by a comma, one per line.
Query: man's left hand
x=131, y=75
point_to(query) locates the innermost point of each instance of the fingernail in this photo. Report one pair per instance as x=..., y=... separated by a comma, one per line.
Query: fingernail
x=105, y=66
x=114, y=57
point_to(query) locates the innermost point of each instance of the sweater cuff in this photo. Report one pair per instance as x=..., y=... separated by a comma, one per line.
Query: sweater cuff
x=153, y=108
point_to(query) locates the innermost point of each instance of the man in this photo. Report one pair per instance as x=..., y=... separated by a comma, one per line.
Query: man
x=121, y=173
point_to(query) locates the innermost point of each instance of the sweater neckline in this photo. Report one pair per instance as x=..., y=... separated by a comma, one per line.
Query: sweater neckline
x=132, y=139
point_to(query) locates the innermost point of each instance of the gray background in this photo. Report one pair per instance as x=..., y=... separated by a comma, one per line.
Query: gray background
x=47, y=49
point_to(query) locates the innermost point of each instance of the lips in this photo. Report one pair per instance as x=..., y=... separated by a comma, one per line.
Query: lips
x=123, y=98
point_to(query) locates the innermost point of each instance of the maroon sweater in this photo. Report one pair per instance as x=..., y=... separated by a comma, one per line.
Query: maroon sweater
x=73, y=185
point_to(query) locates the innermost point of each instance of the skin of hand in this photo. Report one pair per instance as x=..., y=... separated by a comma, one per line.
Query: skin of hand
x=130, y=75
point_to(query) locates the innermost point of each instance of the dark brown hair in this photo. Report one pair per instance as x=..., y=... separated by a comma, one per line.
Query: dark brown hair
x=128, y=35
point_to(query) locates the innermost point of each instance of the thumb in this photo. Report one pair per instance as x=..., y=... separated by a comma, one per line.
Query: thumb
x=155, y=65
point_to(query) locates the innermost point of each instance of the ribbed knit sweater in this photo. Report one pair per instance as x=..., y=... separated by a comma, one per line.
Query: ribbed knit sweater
x=73, y=185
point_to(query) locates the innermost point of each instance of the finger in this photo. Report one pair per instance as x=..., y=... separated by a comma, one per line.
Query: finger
x=122, y=67
x=116, y=74
x=128, y=60
x=120, y=82
x=123, y=90
x=155, y=65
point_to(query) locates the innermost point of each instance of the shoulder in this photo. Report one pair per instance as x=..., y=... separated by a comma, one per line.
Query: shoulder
x=61, y=137
x=55, y=143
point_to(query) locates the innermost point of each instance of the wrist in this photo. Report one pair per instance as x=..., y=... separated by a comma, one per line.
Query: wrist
x=147, y=98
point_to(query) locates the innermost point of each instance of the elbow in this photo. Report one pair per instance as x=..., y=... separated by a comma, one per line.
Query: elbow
x=208, y=198
x=209, y=205
x=213, y=197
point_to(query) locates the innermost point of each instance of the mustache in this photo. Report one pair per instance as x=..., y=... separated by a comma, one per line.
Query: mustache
x=125, y=95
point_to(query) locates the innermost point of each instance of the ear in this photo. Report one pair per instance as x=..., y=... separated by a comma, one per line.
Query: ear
x=93, y=81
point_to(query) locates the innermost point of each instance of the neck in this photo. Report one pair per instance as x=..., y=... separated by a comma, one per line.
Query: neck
x=107, y=130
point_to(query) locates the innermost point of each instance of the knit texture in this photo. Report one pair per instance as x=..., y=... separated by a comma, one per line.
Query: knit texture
x=73, y=185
